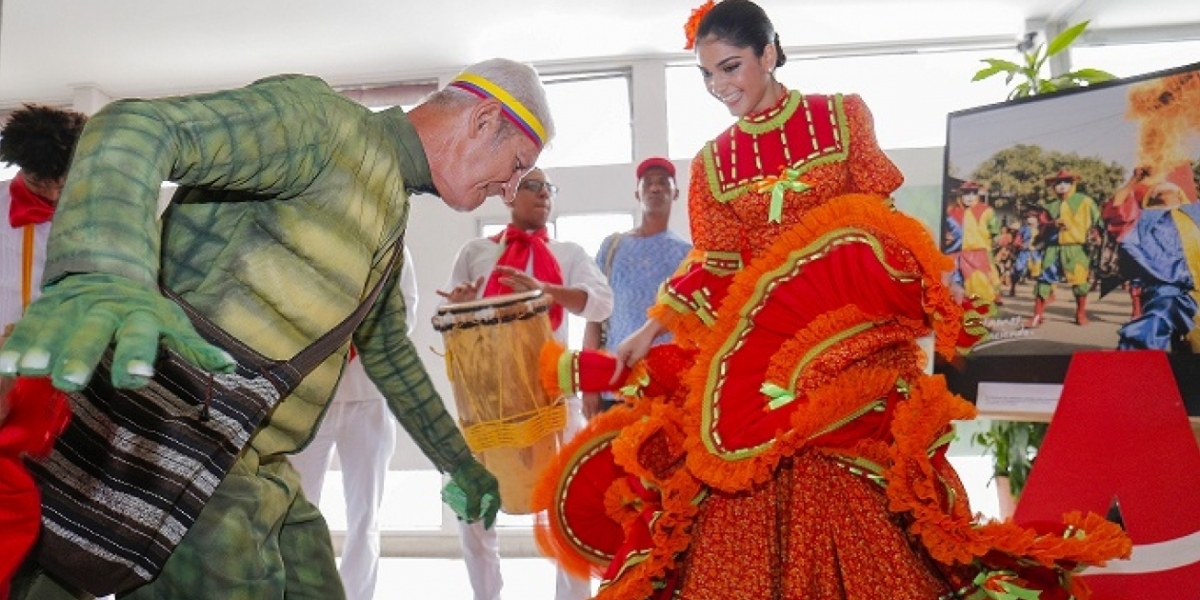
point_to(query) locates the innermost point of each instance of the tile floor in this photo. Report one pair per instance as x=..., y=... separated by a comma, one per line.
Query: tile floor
x=446, y=579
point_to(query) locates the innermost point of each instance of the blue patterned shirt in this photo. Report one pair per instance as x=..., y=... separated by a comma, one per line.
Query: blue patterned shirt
x=640, y=265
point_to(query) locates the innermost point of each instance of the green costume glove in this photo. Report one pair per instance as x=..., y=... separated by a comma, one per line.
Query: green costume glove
x=473, y=493
x=66, y=331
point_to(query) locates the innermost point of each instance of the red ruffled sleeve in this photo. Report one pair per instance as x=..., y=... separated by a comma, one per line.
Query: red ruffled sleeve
x=870, y=169
x=690, y=297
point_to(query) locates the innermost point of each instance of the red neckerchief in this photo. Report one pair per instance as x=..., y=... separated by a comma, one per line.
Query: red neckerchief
x=518, y=245
x=26, y=207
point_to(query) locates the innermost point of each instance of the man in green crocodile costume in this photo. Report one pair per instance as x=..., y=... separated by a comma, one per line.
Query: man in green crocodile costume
x=291, y=199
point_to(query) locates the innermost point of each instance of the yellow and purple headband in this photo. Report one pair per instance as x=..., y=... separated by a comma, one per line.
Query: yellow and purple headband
x=516, y=112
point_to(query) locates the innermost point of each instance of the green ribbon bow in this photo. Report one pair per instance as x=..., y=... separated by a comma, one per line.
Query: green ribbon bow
x=778, y=395
x=789, y=181
x=1007, y=591
x=634, y=390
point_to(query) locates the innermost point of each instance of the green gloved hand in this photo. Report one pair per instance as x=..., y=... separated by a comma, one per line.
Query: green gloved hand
x=473, y=493
x=65, y=332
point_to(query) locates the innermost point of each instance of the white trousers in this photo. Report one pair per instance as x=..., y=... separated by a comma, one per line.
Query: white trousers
x=364, y=434
x=482, y=555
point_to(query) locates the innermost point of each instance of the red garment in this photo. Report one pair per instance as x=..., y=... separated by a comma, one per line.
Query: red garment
x=37, y=414
x=26, y=207
x=812, y=135
x=518, y=246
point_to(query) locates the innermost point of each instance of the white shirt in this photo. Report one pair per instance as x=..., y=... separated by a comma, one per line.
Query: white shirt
x=478, y=257
x=12, y=242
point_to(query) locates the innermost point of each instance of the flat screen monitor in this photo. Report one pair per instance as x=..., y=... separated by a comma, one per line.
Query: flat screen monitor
x=1076, y=215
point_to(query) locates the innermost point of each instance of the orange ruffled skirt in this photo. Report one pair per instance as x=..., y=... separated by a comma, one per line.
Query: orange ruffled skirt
x=801, y=456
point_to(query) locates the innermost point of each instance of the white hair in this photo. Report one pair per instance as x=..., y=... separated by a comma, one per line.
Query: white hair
x=518, y=79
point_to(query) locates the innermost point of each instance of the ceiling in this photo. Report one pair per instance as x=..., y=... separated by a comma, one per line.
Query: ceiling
x=54, y=50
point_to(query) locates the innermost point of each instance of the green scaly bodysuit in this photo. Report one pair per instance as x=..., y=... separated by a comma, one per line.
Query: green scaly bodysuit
x=291, y=199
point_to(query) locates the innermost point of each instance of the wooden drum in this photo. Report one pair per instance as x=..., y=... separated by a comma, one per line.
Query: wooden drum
x=509, y=421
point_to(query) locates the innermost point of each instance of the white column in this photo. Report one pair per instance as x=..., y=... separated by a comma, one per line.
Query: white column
x=88, y=98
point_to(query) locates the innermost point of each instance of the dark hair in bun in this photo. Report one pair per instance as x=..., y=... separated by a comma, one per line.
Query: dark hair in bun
x=743, y=24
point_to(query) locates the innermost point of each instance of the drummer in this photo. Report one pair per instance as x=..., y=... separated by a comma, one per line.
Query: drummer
x=518, y=259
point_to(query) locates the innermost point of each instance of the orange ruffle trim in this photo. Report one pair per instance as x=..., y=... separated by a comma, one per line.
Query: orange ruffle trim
x=832, y=401
x=679, y=498
x=949, y=533
x=548, y=370
x=552, y=540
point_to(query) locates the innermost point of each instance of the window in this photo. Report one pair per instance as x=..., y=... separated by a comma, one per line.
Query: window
x=909, y=94
x=588, y=230
x=1128, y=60
x=411, y=500
x=380, y=97
x=693, y=115
x=592, y=117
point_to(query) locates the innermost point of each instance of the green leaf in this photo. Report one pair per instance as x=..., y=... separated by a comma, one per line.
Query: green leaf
x=1004, y=65
x=986, y=72
x=1033, y=61
x=1013, y=446
x=994, y=67
x=1026, y=79
x=1022, y=90
x=1066, y=38
x=1091, y=75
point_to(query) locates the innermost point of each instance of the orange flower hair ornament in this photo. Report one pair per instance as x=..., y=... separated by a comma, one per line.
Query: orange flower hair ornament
x=693, y=23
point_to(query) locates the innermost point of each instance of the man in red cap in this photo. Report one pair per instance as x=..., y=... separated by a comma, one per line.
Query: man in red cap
x=1067, y=220
x=637, y=262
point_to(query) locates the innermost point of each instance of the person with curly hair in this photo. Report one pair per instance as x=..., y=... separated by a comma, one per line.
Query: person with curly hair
x=39, y=140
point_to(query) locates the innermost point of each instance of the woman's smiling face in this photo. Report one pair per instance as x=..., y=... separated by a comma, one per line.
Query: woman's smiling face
x=742, y=81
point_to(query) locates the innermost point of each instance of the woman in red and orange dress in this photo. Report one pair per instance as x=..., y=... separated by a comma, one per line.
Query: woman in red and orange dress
x=791, y=444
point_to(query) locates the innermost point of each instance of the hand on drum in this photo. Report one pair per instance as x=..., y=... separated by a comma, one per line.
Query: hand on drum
x=463, y=292
x=519, y=280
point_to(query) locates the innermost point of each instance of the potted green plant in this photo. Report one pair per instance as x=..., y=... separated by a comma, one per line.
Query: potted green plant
x=1013, y=445
x=1028, y=73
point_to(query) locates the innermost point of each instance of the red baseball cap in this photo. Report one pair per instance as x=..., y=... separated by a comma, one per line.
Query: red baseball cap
x=655, y=161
